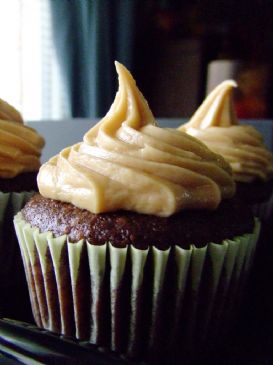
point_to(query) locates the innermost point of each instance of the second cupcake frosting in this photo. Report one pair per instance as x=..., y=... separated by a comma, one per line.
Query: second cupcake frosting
x=127, y=162
x=20, y=146
x=215, y=124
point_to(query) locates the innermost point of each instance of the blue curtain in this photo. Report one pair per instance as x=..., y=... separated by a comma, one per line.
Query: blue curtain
x=89, y=36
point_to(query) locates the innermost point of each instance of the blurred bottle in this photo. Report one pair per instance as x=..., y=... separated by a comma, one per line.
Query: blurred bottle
x=221, y=70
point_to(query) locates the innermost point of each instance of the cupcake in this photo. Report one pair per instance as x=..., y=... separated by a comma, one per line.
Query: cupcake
x=216, y=125
x=20, y=149
x=134, y=236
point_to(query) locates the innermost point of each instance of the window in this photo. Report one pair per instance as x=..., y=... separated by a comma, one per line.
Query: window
x=29, y=77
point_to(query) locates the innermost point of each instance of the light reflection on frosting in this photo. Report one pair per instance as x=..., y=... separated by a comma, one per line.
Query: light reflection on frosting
x=216, y=124
x=20, y=146
x=127, y=162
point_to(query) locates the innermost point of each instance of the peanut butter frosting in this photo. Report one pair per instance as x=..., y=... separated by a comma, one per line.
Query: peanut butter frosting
x=127, y=162
x=216, y=125
x=20, y=146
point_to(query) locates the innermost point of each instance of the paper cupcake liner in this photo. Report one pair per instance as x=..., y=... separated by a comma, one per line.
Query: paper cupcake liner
x=11, y=269
x=136, y=302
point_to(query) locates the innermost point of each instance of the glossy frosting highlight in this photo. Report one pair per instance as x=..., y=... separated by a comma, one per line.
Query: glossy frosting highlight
x=127, y=162
x=216, y=125
x=20, y=146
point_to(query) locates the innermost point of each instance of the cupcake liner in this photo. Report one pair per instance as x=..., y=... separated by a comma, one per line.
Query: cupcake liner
x=11, y=268
x=137, y=302
x=232, y=282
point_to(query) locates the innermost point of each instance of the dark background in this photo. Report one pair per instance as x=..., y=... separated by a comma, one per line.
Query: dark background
x=186, y=35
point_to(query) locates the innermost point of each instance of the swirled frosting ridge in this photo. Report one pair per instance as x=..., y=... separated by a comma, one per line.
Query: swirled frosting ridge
x=127, y=162
x=20, y=146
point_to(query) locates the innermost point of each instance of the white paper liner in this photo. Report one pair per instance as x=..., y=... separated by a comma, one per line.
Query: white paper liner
x=131, y=285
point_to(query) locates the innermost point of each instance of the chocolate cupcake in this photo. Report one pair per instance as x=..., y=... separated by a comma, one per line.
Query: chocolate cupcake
x=133, y=236
x=20, y=149
x=216, y=125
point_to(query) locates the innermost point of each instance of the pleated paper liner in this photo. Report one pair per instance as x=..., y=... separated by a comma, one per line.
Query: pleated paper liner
x=12, y=277
x=141, y=303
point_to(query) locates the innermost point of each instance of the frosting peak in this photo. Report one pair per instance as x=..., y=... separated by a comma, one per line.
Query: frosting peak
x=127, y=162
x=129, y=107
x=217, y=109
x=20, y=146
x=215, y=124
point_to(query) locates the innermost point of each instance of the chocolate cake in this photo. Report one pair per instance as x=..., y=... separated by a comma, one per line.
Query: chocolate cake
x=256, y=192
x=124, y=228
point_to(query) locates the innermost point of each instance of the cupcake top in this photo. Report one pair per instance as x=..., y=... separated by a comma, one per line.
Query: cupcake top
x=126, y=162
x=216, y=124
x=20, y=146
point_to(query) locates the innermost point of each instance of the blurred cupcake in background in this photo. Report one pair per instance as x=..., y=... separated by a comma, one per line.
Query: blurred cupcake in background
x=215, y=124
x=20, y=150
x=135, y=235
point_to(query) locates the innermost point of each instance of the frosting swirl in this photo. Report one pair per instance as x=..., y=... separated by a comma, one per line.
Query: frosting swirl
x=216, y=124
x=127, y=162
x=20, y=146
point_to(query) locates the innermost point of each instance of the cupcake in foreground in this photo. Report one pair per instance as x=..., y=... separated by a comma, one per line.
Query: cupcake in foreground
x=216, y=125
x=134, y=236
x=20, y=150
